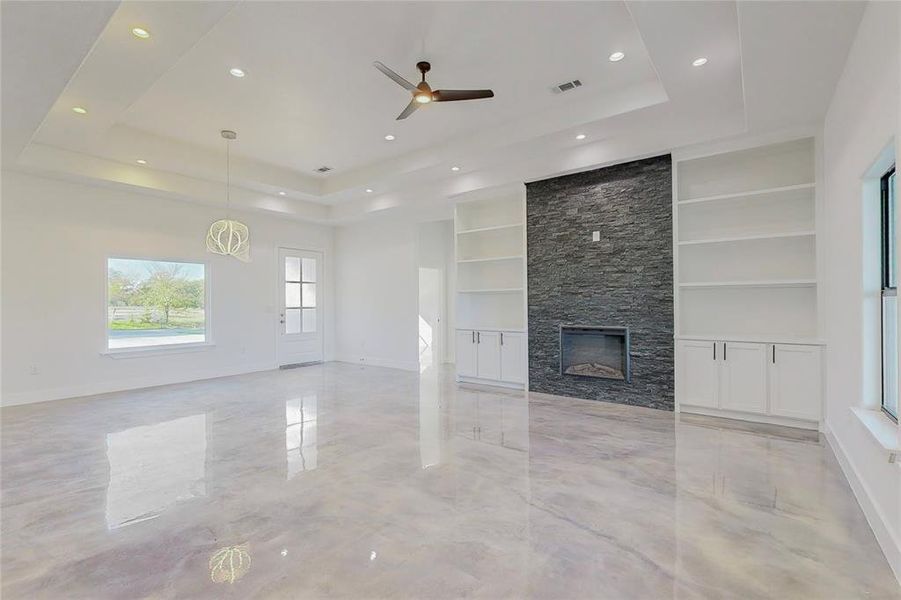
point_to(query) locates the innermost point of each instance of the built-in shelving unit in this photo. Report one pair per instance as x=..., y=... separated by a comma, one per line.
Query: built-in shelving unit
x=745, y=250
x=490, y=260
x=746, y=284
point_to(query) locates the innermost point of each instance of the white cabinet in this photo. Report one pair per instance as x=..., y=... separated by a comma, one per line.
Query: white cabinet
x=513, y=357
x=466, y=355
x=779, y=383
x=698, y=378
x=743, y=377
x=488, y=348
x=795, y=381
x=491, y=356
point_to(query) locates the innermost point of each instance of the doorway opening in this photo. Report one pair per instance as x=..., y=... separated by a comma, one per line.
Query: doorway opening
x=431, y=309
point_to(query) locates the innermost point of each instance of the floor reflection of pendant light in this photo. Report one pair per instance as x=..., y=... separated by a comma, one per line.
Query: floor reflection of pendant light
x=227, y=236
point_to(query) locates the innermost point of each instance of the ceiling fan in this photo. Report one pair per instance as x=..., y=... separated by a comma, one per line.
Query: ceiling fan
x=423, y=94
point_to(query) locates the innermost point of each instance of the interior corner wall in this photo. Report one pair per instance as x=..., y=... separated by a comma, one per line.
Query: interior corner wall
x=56, y=238
x=862, y=119
x=377, y=293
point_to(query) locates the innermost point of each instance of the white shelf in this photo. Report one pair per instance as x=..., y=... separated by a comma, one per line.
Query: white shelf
x=741, y=195
x=491, y=291
x=490, y=259
x=490, y=328
x=755, y=339
x=773, y=283
x=492, y=228
x=746, y=238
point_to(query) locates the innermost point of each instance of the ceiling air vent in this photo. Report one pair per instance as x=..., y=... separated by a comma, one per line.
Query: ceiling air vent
x=569, y=85
x=323, y=169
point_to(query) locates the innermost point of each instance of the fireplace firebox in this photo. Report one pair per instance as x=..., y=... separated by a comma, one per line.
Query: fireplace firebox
x=599, y=352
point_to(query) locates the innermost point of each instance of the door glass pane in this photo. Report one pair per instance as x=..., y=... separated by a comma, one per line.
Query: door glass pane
x=292, y=320
x=890, y=354
x=292, y=295
x=292, y=268
x=309, y=295
x=309, y=320
x=309, y=269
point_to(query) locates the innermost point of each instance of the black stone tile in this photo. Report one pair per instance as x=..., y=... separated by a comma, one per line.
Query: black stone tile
x=624, y=280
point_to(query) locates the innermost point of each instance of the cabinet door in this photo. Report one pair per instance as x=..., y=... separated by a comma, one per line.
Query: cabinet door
x=489, y=354
x=795, y=384
x=513, y=357
x=466, y=353
x=744, y=377
x=697, y=377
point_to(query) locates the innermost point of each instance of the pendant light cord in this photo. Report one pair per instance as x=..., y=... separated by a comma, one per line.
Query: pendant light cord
x=228, y=203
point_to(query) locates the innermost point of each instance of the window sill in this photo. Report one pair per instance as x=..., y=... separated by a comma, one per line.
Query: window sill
x=883, y=429
x=118, y=353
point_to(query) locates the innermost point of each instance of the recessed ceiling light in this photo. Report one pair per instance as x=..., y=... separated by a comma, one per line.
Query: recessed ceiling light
x=455, y=168
x=140, y=32
x=141, y=161
x=79, y=110
x=617, y=56
x=699, y=62
x=368, y=191
x=581, y=136
x=389, y=137
x=283, y=193
x=236, y=72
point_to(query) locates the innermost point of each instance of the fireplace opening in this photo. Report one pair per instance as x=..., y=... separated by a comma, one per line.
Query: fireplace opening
x=600, y=352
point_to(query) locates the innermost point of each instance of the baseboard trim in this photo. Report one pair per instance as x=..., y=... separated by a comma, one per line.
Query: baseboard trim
x=750, y=417
x=891, y=546
x=373, y=361
x=122, y=385
x=491, y=382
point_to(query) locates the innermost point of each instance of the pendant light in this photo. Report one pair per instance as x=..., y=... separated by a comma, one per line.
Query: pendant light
x=227, y=236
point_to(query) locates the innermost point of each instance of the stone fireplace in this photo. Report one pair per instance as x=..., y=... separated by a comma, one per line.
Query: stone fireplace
x=600, y=352
x=600, y=252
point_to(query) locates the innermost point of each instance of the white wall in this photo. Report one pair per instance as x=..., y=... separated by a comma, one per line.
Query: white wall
x=377, y=288
x=436, y=250
x=377, y=292
x=56, y=237
x=862, y=120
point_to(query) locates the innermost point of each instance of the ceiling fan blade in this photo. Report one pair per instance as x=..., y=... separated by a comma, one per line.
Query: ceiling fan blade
x=397, y=78
x=454, y=95
x=411, y=107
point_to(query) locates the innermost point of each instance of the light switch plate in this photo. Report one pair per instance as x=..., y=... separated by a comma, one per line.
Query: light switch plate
x=595, y=236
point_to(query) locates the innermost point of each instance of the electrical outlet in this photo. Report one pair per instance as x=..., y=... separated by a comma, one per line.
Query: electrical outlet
x=33, y=369
x=595, y=236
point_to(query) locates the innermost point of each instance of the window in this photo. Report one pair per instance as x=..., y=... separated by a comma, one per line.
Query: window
x=300, y=295
x=889, y=296
x=155, y=303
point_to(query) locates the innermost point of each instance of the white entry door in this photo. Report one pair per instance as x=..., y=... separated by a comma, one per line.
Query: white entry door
x=300, y=318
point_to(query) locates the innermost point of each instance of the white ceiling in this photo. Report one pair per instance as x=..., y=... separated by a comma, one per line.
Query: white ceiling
x=311, y=96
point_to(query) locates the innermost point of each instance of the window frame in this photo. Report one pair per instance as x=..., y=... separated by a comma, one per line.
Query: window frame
x=161, y=348
x=888, y=230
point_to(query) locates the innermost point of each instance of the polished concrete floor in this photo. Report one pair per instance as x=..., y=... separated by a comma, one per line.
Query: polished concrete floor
x=337, y=480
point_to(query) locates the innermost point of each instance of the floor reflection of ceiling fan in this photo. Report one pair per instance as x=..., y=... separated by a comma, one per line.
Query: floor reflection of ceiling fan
x=423, y=94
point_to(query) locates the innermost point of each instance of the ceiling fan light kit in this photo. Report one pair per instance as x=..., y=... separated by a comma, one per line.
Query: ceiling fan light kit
x=422, y=92
x=227, y=236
